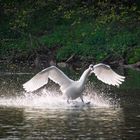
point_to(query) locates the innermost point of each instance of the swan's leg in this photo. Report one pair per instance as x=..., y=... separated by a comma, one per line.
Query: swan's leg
x=68, y=101
x=81, y=97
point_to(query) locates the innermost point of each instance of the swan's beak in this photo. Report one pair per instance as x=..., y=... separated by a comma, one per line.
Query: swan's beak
x=92, y=70
x=91, y=67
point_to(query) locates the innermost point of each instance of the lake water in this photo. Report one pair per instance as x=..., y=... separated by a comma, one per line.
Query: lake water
x=114, y=113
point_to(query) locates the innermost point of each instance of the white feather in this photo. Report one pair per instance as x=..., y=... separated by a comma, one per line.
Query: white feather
x=41, y=79
x=107, y=75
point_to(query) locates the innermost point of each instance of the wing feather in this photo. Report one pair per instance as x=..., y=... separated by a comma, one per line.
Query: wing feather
x=107, y=75
x=41, y=79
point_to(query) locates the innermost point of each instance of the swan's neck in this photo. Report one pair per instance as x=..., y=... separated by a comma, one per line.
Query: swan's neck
x=84, y=76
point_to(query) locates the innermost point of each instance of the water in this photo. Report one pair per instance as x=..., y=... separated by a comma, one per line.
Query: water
x=113, y=113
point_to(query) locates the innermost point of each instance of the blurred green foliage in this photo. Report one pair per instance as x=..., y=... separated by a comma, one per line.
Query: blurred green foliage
x=89, y=29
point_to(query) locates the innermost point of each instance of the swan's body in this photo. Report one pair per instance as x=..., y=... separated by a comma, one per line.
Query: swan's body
x=73, y=89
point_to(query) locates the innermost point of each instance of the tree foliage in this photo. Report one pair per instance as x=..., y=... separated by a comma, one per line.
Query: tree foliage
x=92, y=28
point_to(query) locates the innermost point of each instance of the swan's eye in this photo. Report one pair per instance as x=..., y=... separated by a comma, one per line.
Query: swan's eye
x=91, y=66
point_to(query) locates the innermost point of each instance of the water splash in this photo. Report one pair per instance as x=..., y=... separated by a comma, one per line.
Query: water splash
x=53, y=99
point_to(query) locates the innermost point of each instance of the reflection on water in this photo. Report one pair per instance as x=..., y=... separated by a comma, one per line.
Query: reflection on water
x=61, y=124
x=112, y=114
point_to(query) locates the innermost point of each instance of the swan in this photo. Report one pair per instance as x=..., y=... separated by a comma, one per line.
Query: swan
x=73, y=89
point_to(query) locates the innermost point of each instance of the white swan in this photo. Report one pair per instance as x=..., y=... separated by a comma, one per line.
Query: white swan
x=73, y=89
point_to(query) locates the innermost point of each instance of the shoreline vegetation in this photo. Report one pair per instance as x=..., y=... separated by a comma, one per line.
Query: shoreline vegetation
x=77, y=33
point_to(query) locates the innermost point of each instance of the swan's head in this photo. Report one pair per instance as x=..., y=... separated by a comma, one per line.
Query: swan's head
x=91, y=67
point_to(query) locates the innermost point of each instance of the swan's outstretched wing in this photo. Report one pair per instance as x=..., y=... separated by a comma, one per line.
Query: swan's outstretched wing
x=41, y=79
x=107, y=75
